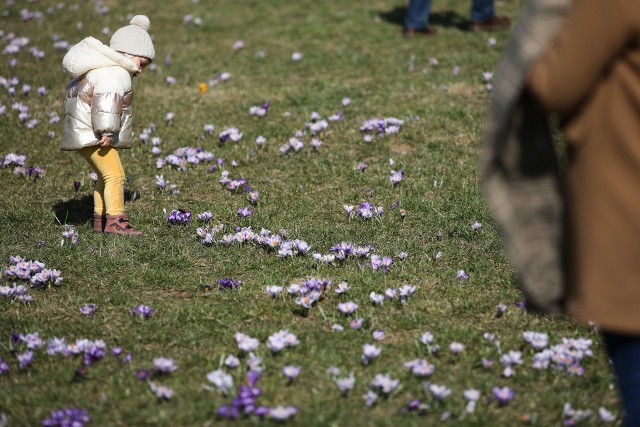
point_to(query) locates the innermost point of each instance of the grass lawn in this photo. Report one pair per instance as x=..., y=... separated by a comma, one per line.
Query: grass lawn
x=328, y=69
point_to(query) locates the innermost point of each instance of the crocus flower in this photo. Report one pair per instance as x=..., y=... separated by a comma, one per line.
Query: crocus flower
x=378, y=335
x=345, y=385
x=384, y=383
x=472, y=396
x=88, y=309
x=282, y=413
x=376, y=298
x=420, y=367
x=244, y=212
x=142, y=311
x=164, y=365
x=228, y=284
x=161, y=391
x=605, y=415
x=222, y=380
x=370, y=398
x=347, y=307
x=246, y=343
x=4, y=366
x=456, y=347
x=73, y=417
x=274, y=291
x=356, y=323
x=25, y=359
x=462, y=275
x=503, y=394
x=369, y=352
x=296, y=56
x=439, y=392
x=291, y=372
x=342, y=287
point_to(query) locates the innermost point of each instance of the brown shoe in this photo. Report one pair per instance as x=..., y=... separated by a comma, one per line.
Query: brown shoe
x=119, y=224
x=407, y=32
x=494, y=24
x=98, y=222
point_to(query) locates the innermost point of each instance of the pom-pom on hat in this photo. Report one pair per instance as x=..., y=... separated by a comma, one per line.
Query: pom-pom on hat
x=134, y=39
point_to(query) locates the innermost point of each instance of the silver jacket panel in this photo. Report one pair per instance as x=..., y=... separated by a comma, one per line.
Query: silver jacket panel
x=88, y=116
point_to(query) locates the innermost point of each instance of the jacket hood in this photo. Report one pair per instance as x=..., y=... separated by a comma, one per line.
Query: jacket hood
x=90, y=54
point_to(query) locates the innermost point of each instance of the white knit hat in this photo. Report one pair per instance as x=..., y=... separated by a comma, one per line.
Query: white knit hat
x=134, y=39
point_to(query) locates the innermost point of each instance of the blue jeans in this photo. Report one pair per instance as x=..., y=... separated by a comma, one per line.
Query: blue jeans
x=482, y=10
x=417, y=15
x=624, y=352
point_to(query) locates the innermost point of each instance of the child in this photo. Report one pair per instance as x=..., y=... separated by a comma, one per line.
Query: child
x=98, y=113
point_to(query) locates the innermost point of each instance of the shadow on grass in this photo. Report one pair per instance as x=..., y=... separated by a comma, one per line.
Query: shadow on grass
x=79, y=210
x=302, y=312
x=75, y=211
x=446, y=19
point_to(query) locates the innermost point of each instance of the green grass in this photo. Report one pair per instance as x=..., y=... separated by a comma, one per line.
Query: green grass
x=351, y=49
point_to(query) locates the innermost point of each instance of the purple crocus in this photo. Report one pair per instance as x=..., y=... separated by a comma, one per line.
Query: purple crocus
x=142, y=311
x=88, y=309
x=4, y=366
x=67, y=417
x=181, y=216
x=396, y=177
x=439, y=392
x=369, y=352
x=291, y=372
x=462, y=275
x=143, y=374
x=347, y=307
x=161, y=391
x=282, y=413
x=25, y=359
x=345, y=384
x=244, y=212
x=503, y=395
x=164, y=365
x=228, y=284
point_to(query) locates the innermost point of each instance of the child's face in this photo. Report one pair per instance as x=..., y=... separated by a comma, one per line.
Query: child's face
x=140, y=62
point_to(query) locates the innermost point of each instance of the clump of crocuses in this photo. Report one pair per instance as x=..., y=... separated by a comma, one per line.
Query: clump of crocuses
x=184, y=156
x=181, y=216
x=366, y=210
x=67, y=417
x=380, y=127
x=34, y=271
x=228, y=284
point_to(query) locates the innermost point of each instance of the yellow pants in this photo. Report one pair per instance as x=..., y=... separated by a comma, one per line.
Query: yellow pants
x=108, y=193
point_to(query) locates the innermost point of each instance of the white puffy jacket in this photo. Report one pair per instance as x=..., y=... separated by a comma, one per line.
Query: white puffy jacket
x=98, y=99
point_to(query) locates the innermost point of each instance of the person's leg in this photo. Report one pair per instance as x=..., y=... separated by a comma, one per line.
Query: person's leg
x=483, y=17
x=417, y=15
x=482, y=10
x=624, y=352
x=108, y=195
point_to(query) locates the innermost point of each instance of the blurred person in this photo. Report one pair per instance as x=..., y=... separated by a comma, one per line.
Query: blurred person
x=98, y=113
x=483, y=18
x=575, y=247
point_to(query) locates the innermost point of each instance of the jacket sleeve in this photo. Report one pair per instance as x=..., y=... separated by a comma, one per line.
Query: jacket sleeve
x=594, y=34
x=106, y=105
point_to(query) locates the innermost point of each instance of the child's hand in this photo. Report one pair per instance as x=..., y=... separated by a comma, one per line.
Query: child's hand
x=105, y=140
